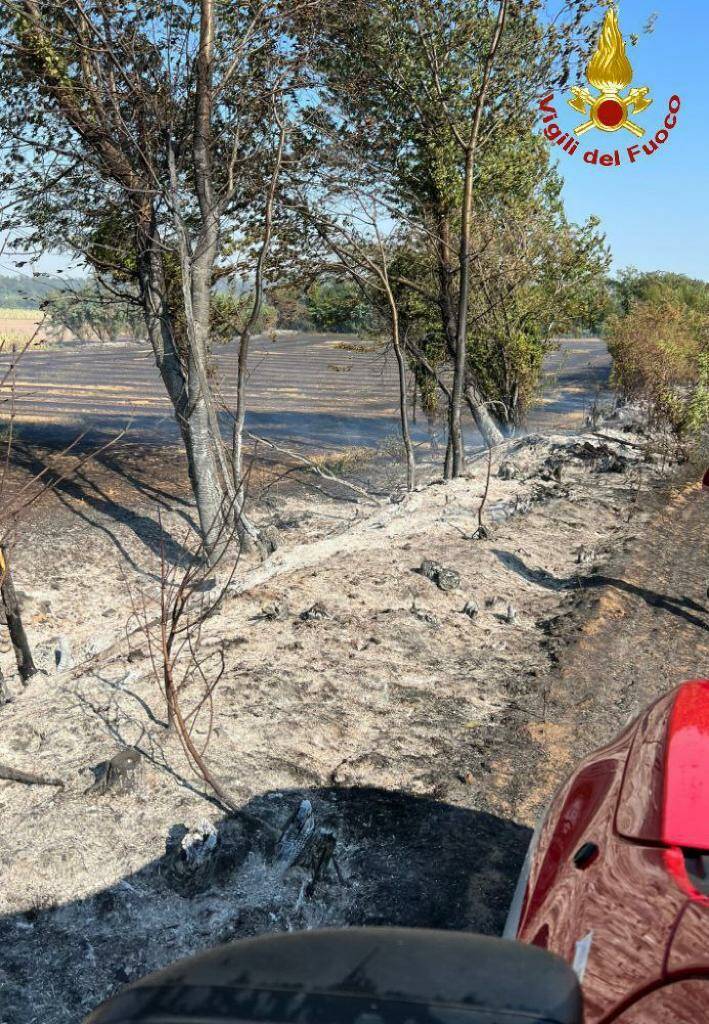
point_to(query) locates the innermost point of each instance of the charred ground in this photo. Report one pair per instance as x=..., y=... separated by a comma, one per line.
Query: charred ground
x=425, y=738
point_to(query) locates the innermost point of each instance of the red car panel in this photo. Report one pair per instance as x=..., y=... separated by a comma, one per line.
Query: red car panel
x=689, y=945
x=639, y=813
x=683, y=1002
x=619, y=878
x=686, y=798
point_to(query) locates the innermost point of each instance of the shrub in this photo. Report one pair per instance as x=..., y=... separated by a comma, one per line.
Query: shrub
x=660, y=351
x=337, y=306
x=231, y=313
x=658, y=286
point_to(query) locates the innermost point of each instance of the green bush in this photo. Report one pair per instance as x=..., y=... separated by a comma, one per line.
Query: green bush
x=632, y=286
x=337, y=306
x=231, y=312
x=660, y=350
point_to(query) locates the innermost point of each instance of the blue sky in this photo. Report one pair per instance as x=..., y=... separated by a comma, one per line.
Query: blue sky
x=655, y=213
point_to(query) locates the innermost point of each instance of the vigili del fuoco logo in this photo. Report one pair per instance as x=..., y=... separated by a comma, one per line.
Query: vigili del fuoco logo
x=610, y=105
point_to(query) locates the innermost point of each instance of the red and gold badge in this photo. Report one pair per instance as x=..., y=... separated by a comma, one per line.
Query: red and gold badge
x=610, y=73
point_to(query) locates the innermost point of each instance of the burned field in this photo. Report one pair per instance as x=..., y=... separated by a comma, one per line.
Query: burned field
x=397, y=697
x=349, y=489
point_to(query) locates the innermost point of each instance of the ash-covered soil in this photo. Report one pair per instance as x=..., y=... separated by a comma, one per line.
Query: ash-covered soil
x=423, y=737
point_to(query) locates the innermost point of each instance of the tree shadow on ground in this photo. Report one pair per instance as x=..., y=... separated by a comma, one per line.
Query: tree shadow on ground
x=400, y=860
x=682, y=607
x=78, y=490
x=170, y=500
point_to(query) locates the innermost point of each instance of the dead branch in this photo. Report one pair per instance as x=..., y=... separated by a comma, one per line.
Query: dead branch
x=175, y=639
x=13, y=619
x=481, y=532
x=315, y=467
x=27, y=778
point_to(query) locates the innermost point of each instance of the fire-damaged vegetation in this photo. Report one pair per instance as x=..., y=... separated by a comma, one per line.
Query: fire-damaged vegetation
x=305, y=666
x=202, y=160
x=363, y=728
x=659, y=340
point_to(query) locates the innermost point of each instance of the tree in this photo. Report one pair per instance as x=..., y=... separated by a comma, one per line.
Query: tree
x=434, y=95
x=660, y=350
x=535, y=276
x=334, y=305
x=659, y=286
x=139, y=137
x=347, y=221
x=91, y=310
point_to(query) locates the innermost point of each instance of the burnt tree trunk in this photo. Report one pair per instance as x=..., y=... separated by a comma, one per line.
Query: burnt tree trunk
x=5, y=695
x=463, y=384
x=474, y=398
x=491, y=433
x=198, y=261
x=136, y=168
x=404, y=418
x=23, y=654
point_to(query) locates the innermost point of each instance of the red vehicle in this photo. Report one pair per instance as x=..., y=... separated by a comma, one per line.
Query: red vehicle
x=616, y=884
x=617, y=876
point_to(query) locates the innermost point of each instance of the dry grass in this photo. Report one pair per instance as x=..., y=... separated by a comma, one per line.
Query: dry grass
x=30, y=329
x=20, y=326
x=10, y=313
x=345, y=461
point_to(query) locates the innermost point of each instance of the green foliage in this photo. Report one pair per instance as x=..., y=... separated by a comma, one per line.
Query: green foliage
x=697, y=414
x=538, y=276
x=90, y=156
x=231, y=313
x=328, y=305
x=337, y=306
x=660, y=350
x=403, y=80
x=534, y=277
x=658, y=286
x=413, y=273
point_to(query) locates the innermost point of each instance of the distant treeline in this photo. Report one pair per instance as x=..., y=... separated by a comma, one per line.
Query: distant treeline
x=657, y=286
x=30, y=292
x=329, y=304
x=83, y=307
